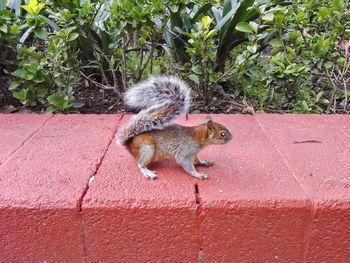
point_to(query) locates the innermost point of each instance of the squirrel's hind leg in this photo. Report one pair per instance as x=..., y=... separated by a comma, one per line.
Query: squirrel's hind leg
x=143, y=149
x=146, y=154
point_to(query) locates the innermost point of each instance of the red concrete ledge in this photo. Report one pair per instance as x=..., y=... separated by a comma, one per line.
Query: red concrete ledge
x=278, y=192
x=42, y=181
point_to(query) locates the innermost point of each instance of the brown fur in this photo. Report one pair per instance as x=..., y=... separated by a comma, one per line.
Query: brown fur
x=135, y=144
x=196, y=160
x=200, y=134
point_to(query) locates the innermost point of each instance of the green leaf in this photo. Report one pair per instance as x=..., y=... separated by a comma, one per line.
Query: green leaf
x=321, y=47
x=268, y=17
x=203, y=10
x=244, y=27
x=291, y=51
x=174, y=8
x=28, y=9
x=14, y=84
x=3, y=28
x=324, y=101
x=51, y=109
x=23, y=74
x=210, y=34
x=319, y=95
x=252, y=48
x=300, y=17
x=40, y=33
x=262, y=35
x=229, y=36
x=40, y=78
x=39, y=8
x=42, y=92
x=197, y=69
x=328, y=64
x=240, y=59
x=338, y=5
x=33, y=4
x=21, y=95
x=33, y=8
x=60, y=101
x=33, y=67
x=305, y=106
x=72, y=37
x=254, y=26
x=276, y=42
x=58, y=82
x=226, y=18
x=56, y=74
x=14, y=29
x=194, y=78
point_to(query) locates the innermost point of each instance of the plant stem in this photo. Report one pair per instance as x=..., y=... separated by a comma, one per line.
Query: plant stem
x=139, y=72
x=206, y=92
x=125, y=43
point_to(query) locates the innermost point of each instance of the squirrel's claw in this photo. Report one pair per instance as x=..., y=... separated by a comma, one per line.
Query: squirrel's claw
x=148, y=173
x=201, y=176
x=206, y=163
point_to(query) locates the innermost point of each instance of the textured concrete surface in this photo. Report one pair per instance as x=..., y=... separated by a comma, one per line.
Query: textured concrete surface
x=253, y=205
x=134, y=219
x=322, y=168
x=278, y=192
x=15, y=130
x=42, y=184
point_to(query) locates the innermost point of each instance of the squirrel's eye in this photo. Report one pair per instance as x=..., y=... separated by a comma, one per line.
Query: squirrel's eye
x=223, y=134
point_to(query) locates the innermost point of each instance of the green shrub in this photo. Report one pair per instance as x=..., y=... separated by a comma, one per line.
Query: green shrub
x=274, y=55
x=307, y=61
x=9, y=30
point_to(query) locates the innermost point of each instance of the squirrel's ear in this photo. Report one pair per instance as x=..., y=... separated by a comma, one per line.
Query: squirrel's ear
x=207, y=119
x=209, y=124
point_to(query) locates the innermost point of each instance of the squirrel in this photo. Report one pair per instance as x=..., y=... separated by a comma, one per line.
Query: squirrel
x=151, y=136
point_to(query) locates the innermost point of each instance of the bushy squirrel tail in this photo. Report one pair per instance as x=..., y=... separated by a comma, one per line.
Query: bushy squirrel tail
x=160, y=99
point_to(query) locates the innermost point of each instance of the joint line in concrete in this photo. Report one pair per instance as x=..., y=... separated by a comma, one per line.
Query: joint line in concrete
x=307, y=234
x=285, y=162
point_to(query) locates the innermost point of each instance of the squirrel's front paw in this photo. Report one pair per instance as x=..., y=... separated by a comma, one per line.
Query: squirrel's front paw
x=148, y=173
x=201, y=176
x=206, y=163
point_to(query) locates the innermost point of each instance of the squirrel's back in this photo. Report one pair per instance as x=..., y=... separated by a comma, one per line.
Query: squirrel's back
x=160, y=99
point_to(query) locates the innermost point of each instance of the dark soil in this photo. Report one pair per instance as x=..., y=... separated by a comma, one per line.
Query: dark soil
x=5, y=96
x=96, y=100
x=99, y=101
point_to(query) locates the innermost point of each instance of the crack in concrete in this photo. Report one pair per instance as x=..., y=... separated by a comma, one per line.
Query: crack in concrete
x=92, y=177
x=86, y=188
x=196, y=191
x=199, y=219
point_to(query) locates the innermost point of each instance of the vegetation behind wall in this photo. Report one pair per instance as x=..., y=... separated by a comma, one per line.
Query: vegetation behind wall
x=272, y=56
